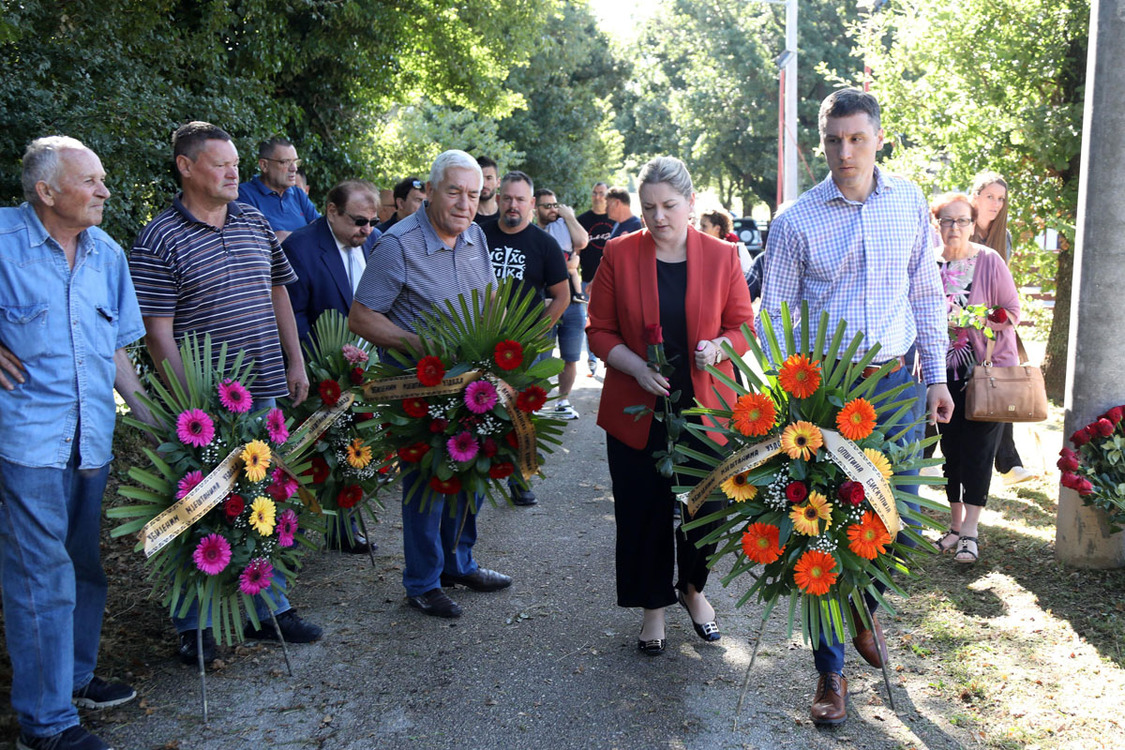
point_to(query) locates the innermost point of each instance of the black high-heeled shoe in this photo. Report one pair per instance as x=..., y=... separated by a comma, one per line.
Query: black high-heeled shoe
x=655, y=647
x=708, y=631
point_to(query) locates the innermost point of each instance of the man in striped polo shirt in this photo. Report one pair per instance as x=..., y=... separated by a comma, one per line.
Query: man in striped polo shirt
x=209, y=264
x=427, y=258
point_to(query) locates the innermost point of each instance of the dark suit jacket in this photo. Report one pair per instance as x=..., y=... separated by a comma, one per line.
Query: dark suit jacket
x=624, y=300
x=322, y=280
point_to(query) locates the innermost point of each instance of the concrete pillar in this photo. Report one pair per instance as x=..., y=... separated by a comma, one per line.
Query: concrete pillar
x=1095, y=377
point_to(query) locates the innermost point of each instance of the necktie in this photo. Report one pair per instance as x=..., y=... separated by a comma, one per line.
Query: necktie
x=353, y=269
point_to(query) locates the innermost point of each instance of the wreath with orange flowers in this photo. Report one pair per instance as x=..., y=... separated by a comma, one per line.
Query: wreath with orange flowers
x=811, y=484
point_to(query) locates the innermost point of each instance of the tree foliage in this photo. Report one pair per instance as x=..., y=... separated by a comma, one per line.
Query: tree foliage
x=121, y=75
x=993, y=84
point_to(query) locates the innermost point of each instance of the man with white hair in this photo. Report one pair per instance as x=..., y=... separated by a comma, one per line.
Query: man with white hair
x=429, y=257
x=67, y=310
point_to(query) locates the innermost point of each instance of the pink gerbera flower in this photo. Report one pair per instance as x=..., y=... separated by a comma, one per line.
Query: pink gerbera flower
x=354, y=354
x=462, y=447
x=188, y=483
x=480, y=397
x=286, y=528
x=275, y=425
x=257, y=577
x=212, y=555
x=194, y=427
x=234, y=396
x=282, y=485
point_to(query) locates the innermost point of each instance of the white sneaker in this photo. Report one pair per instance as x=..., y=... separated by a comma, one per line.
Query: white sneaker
x=1016, y=475
x=563, y=410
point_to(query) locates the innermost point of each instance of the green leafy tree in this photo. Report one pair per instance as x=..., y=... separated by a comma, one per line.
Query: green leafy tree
x=993, y=85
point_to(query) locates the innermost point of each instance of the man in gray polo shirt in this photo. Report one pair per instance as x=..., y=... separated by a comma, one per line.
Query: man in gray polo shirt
x=427, y=258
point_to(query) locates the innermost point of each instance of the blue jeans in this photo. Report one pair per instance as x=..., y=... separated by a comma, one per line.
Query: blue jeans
x=54, y=588
x=829, y=657
x=430, y=540
x=190, y=620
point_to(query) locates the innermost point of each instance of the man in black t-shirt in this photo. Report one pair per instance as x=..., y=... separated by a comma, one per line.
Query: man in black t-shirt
x=523, y=251
x=488, y=208
x=598, y=225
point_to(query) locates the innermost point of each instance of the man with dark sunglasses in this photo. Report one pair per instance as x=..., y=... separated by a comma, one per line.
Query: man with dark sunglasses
x=409, y=195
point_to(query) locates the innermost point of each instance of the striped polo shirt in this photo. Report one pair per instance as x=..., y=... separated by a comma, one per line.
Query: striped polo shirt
x=410, y=270
x=216, y=281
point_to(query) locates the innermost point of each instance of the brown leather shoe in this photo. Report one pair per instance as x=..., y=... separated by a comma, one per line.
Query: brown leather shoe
x=869, y=642
x=830, y=705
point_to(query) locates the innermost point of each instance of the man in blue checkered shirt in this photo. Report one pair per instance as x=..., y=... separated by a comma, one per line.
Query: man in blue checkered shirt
x=857, y=245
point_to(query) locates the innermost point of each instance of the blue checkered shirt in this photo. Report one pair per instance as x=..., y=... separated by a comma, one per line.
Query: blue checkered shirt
x=869, y=264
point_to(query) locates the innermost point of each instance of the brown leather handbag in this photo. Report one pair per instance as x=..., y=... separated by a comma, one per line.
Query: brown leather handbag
x=1006, y=394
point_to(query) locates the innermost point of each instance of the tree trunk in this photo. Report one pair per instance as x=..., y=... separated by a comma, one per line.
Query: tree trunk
x=1054, y=361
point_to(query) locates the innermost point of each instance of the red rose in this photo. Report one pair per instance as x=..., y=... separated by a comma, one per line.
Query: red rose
x=998, y=315
x=350, y=496
x=430, y=371
x=851, y=492
x=1069, y=480
x=512, y=440
x=1103, y=427
x=488, y=447
x=654, y=334
x=1115, y=414
x=438, y=425
x=1081, y=437
x=412, y=454
x=415, y=407
x=1083, y=486
x=366, y=415
x=233, y=507
x=319, y=470
x=449, y=486
x=796, y=492
x=508, y=354
x=501, y=470
x=329, y=392
x=356, y=376
x=531, y=399
x=1068, y=460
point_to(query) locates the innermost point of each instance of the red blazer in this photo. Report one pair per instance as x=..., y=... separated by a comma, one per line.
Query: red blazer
x=624, y=299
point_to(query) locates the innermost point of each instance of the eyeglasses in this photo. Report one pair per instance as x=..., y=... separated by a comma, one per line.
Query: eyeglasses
x=361, y=221
x=286, y=162
x=548, y=205
x=948, y=223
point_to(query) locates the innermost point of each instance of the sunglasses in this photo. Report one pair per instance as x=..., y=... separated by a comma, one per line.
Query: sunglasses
x=361, y=221
x=548, y=205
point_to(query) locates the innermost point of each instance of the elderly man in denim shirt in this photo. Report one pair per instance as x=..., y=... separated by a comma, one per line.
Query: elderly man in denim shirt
x=67, y=309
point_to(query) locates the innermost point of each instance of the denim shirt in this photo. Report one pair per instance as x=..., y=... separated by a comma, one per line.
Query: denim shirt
x=65, y=326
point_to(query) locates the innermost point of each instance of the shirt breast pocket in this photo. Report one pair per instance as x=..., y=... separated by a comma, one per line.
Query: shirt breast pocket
x=23, y=329
x=105, y=330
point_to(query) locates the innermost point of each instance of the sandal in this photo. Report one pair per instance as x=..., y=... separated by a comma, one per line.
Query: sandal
x=971, y=555
x=941, y=546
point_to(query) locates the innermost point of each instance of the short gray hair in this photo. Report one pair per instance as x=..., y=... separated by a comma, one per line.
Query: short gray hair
x=670, y=170
x=452, y=159
x=41, y=162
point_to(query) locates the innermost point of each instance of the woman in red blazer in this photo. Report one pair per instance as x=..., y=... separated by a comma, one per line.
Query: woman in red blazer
x=691, y=285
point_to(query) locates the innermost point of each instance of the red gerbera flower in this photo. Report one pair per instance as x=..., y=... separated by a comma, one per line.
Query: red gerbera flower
x=508, y=354
x=501, y=470
x=350, y=496
x=449, y=486
x=319, y=470
x=531, y=399
x=329, y=392
x=356, y=376
x=512, y=440
x=415, y=407
x=430, y=371
x=412, y=454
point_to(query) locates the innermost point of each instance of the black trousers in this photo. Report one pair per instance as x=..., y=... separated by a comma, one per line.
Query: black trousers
x=969, y=449
x=650, y=548
x=1007, y=457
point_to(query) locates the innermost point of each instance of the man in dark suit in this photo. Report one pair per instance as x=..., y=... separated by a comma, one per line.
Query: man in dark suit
x=329, y=256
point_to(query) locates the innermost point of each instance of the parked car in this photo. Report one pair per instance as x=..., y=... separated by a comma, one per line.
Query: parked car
x=747, y=230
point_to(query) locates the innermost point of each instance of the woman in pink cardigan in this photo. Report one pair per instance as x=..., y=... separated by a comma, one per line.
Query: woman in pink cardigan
x=972, y=274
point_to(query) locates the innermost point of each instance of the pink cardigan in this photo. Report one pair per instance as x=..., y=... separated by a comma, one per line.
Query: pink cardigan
x=993, y=286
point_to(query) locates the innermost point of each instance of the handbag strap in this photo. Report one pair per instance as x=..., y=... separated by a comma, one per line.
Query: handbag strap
x=1019, y=348
x=988, y=353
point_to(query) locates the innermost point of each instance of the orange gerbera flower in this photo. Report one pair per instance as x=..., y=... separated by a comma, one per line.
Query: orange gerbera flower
x=759, y=543
x=814, y=573
x=753, y=414
x=807, y=517
x=868, y=538
x=801, y=440
x=798, y=376
x=880, y=461
x=857, y=419
x=737, y=488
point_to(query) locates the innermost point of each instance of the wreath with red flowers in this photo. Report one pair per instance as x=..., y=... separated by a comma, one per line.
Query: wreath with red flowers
x=1096, y=470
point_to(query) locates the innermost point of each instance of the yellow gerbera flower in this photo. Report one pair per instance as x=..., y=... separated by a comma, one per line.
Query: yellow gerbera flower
x=801, y=440
x=807, y=517
x=256, y=457
x=262, y=515
x=359, y=455
x=737, y=488
x=880, y=461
